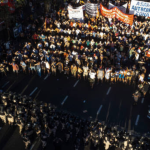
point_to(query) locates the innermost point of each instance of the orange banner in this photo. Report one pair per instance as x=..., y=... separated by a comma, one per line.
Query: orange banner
x=116, y=13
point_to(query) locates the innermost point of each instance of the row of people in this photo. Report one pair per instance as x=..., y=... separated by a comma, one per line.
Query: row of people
x=109, y=73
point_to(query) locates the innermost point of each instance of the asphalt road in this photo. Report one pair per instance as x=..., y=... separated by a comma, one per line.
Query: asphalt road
x=112, y=103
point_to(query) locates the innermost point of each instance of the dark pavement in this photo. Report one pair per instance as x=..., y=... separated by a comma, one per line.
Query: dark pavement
x=110, y=103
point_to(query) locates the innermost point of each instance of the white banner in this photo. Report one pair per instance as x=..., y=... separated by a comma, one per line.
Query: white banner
x=91, y=9
x=140, y=8
x=76, y=14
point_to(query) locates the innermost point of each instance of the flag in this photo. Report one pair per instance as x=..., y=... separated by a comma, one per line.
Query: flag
x=97, y=15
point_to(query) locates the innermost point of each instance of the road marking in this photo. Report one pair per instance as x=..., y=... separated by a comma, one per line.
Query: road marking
x=33, y=91
x=5, y=84
x=137, y=120
x=142, y=100
x=33, y=145
x=10, y=86
x=37, y=94
x=130, y=115
x=76, y=83
x=108, y=90
x=108, y=111
x=47, y=76
x=27, y=85
x=37, y=143
x=64, y=100
x=99, y=109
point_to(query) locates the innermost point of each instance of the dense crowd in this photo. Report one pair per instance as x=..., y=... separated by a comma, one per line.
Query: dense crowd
x=42, y=120
x=97, y=50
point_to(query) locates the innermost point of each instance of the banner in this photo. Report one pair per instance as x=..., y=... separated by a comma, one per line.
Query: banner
x=91, y=9
x=140, y=8
x=121, y=8
x=109, y=13
x=76, y=14
x=116, y=13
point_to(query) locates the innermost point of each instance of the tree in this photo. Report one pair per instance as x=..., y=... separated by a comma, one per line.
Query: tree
x=5, y=16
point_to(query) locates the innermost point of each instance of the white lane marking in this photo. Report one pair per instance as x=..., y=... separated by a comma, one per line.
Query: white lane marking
x=64, y=100
x=37, y=94
x=142, y=100
x=10, y=86
x=76, y=83
x=24, y=89
x=33, y=145
x=27, y=85
x=33, y=91
x=108, y=111
x=5, y=84
x=99, y=109
x=108, y=90
x=137, y=120
x=47, y=76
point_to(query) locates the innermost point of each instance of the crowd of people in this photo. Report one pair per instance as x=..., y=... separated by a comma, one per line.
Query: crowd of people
x=42, y=120
x=96, y=50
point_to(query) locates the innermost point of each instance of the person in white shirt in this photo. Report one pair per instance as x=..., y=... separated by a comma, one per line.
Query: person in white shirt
x=100, y=74
x=107, y=74
x=77, y=32
x=58, y=25
x=47, y=66
x=74, y=24
x=92, y=42
x=136, y=57
x=92, y=75
x=85, y=72
x=52, y=46
x=69, y=31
